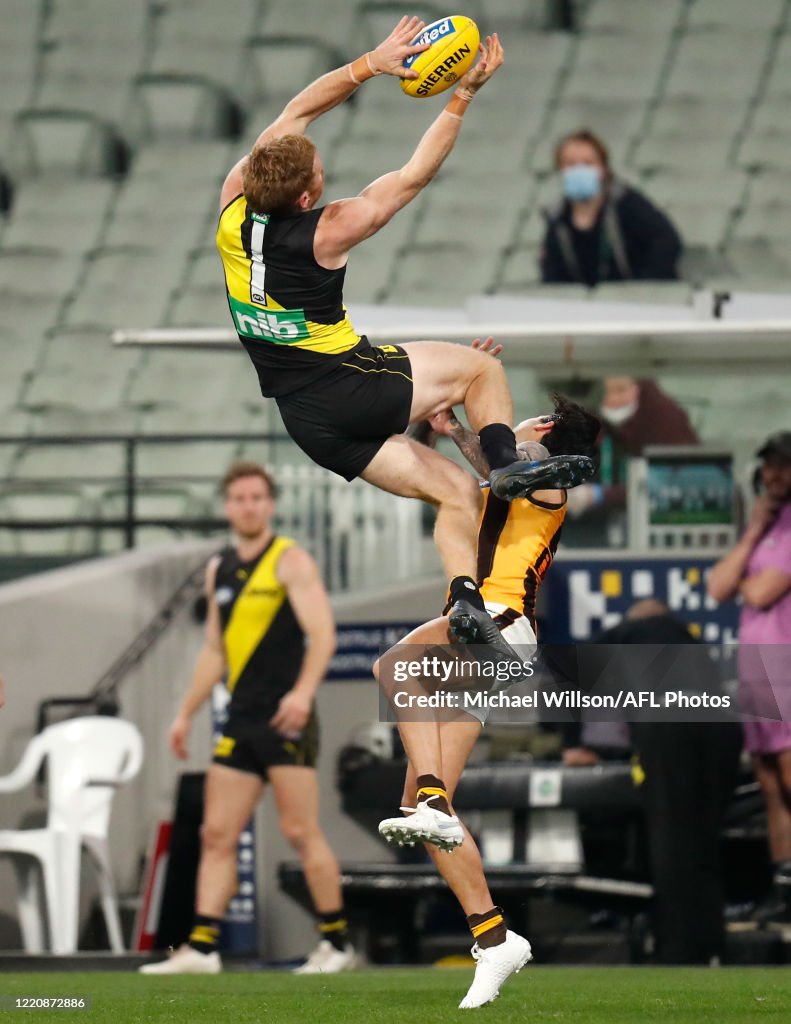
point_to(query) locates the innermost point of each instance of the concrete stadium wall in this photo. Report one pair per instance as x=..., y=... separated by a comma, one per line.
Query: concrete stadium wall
x=60, y=630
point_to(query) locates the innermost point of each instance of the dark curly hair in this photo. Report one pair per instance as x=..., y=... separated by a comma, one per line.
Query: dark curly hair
x=575, y=431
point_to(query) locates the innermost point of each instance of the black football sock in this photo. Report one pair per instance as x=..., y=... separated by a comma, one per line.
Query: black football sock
x=464, y=588
x=488, y=929
x=498, y=445
x=205, y=934
x=431, y=786
x=332, y=927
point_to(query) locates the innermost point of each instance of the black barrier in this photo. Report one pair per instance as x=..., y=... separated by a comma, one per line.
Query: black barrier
x=130, y=480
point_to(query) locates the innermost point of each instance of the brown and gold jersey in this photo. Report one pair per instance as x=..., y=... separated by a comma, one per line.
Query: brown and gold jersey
x=517, y=541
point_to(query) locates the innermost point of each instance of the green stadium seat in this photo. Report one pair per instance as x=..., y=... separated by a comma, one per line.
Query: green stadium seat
x=32, y=503
x=626, y=16
x=720, y=63
x=69, y=214
x=172, y=105
x=735, y=14
x=67, y=143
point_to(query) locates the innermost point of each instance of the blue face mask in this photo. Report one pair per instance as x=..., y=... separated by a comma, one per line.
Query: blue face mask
x=580, y=181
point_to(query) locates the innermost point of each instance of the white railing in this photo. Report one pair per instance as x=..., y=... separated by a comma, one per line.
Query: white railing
x=359, y=535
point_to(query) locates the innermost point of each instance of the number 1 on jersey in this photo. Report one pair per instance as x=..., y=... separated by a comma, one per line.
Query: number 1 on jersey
x=257, y=266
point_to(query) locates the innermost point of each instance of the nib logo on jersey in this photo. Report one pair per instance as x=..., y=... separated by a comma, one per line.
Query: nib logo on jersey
x=282, y=326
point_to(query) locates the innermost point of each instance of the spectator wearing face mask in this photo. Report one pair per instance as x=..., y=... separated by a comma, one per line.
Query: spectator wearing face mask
x=602, y=229
x=635, y=414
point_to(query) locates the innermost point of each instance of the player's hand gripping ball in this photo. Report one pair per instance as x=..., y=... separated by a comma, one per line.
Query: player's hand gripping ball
x=453, y=47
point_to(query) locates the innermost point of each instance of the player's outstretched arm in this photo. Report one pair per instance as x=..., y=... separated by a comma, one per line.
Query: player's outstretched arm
x=336, y=86
x=347, y=222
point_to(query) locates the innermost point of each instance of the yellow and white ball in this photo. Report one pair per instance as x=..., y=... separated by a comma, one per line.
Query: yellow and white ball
x=454, y=46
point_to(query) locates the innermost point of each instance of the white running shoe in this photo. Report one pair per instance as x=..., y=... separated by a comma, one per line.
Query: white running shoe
x=326, y=959
x=495, y=966
x=424, y=824
x=186, y=960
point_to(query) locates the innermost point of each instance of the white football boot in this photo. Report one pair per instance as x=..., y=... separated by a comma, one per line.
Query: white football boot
x=424, y=824
x=186, y=960
x=495, y=966
x=326, y=959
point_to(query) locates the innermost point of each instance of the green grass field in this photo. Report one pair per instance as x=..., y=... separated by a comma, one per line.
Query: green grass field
x=555, y=994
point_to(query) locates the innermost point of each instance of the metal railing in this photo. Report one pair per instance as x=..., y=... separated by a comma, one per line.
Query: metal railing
x=352, y=529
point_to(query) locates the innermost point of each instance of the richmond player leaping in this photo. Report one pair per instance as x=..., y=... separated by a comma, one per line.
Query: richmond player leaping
x=345, y=402
x=516, y=545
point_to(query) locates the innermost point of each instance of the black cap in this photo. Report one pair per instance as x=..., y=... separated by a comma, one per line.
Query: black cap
x=778, y=444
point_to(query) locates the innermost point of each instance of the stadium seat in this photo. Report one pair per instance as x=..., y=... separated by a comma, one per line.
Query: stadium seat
x=702, y=116
x=626, y=16
x=371, y=268
x=29, y=270
x=91, y=462
x=66, y=382
x=199, y=307
x=735, y=14
x=282, y=65
x=670, y=184
x=125, y=286
x=686, y=151
x=194, y=163
x=65, y=142
x=240, y=417
x=19, y=53
x=205, y=20
x=137, y=219
x=103, y=21
x=13, y=423
x=169, y=378
x=755, y=260
x=200, y=460
x=173, y=105
x=630, y=66
x=21, y=348
x=69, y=214
x=720, y=63
x=57, y=503
x=426, y=278
x=765, y=151
x=299, y=17
x=520, y=268
x=778, y=81
x=700, y=223
x=92, y=51
x=375, y=19
x=765, y=221
x=60, y=420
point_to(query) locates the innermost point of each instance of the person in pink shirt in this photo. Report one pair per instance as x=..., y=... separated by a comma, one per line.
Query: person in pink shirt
x=758, y=570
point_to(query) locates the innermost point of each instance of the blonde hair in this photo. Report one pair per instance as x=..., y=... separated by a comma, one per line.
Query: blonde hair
x=277, y=172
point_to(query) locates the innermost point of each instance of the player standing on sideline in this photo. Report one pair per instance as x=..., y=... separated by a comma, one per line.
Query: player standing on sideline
x=265, y=600
x=345, y=402
x=516, y=545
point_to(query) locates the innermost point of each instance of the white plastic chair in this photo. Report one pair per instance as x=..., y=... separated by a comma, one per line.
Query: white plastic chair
x=87, y=759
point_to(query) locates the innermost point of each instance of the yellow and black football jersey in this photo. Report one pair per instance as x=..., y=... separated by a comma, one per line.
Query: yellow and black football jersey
x=264, y=643
x=287, y=309
x=517, y=541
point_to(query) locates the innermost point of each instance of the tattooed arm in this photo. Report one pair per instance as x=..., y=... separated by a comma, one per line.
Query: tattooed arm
x=465, y=440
